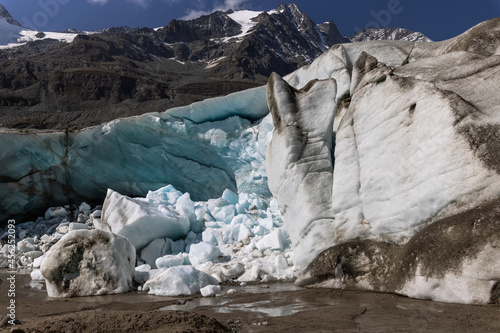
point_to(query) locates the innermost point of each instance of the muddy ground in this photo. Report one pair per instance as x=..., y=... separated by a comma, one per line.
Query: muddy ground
x=279, y=307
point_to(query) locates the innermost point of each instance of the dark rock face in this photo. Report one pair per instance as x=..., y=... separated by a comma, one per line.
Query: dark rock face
x=125, y=71
x=331, y=33
x=204, y=28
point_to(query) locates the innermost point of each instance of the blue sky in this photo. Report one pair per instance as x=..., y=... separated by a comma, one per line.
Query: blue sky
x=438, y=19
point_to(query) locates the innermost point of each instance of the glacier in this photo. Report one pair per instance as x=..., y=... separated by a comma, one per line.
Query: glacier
x=402, y=152
x=360, y=170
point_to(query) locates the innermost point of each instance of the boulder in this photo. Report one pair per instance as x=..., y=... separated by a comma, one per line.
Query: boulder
x=86, y=263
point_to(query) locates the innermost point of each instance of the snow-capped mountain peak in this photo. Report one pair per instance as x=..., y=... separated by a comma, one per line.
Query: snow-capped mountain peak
x=296, y=16
x=9, y=32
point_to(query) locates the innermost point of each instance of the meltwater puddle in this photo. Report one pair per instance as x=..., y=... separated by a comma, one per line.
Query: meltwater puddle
x=195, y=303
x=278, y=311
x=223, y=306
x=220, y=304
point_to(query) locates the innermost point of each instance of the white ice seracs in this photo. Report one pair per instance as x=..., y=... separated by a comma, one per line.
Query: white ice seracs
x=142, y=221
x=300, y=163
x=400, y=168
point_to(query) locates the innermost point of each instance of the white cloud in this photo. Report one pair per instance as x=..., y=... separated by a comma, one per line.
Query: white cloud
x=234, y=4
x=216, y=6
x=99, y=2
x=141, y=3
x=199, y=6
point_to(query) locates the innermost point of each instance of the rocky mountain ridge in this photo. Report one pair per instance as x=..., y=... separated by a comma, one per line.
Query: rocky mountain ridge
x=389, y=34
x=118, y=72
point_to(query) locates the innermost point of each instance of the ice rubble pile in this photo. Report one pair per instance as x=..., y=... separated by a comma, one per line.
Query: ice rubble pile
x=35, y=238
x=235, y=237
x=232, y=238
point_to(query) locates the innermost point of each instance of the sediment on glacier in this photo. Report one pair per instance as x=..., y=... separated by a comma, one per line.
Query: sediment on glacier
x=451, y=260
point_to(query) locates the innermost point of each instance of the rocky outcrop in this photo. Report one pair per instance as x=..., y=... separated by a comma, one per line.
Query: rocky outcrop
x=122, y=71
x=86, y=263
x=414, y=136
x=206, y=27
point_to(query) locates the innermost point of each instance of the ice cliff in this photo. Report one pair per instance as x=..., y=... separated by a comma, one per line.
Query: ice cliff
x=203, y=149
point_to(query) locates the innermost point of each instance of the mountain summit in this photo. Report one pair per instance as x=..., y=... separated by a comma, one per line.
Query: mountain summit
x=261, y=42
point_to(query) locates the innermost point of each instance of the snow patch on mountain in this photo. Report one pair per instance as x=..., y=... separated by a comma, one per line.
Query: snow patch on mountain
x=13, y=35
x=243, y=18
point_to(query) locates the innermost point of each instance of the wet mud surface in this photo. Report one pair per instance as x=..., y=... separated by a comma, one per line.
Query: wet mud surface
x=279, y=307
